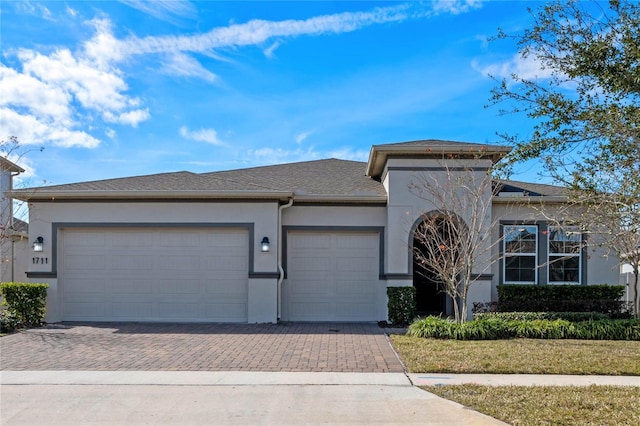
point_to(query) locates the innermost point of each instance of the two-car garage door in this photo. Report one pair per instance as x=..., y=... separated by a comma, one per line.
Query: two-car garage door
x=332, y=276
x=154, y=274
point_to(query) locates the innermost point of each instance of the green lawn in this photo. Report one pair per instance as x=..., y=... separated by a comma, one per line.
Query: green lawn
x=524, y=356
x=549, y=405
x=518, y=405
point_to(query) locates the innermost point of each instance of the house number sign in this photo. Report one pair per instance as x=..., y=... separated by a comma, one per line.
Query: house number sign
x=40, y=260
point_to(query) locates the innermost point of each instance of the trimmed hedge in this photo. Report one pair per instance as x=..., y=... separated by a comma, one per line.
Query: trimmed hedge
x=529, y=316
x=493, y=328
x=605, y=299
x=401, y=305
x=8, y=321
x=25, y=301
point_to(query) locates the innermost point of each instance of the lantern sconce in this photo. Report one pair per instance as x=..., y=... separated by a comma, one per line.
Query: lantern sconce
x=265, y=245
x=38, y=244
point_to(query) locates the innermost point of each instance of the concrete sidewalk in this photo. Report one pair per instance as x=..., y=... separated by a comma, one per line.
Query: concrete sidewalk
x=433, y=379
x=227, y=398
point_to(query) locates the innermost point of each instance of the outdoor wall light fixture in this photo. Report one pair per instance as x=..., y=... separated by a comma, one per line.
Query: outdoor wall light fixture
x=38, y=244
x=264, y=245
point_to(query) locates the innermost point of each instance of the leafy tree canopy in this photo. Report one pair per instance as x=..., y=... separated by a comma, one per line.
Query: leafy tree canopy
x=585, y=105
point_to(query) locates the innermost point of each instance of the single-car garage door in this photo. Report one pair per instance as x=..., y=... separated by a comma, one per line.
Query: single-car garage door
x=154, y=274
x=332, y=276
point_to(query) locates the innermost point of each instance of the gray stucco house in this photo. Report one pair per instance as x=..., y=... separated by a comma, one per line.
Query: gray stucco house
x=309, y=241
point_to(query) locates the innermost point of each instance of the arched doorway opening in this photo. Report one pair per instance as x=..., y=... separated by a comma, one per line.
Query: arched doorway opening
x=433, y=242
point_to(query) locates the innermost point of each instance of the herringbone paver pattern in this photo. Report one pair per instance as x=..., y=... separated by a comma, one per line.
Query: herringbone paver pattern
x=201, y=347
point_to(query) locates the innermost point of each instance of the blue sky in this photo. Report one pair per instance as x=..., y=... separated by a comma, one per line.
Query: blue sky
x=127, y=88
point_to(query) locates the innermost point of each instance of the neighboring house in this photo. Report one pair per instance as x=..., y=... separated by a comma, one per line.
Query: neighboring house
x=309, y=241
x=14, y=245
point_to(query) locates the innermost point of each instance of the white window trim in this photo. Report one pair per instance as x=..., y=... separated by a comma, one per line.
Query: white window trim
x=564, y=255
x=505, y=254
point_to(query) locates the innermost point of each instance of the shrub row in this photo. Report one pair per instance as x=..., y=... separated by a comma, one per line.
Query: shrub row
x=25, y=304
x=492, y=328
x=401, y=305
x=529, y=316
x=605, y=299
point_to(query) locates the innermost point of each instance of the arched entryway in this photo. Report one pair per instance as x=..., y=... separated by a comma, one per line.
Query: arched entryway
x=427, y=241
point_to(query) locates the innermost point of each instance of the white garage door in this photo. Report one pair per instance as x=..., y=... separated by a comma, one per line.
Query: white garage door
x=332, y=276
x=157, y=274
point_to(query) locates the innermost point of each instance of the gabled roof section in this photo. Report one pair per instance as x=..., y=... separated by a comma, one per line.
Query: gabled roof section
x=314, y=180
x=6, y=165
x=431, y=148
x=322, y=180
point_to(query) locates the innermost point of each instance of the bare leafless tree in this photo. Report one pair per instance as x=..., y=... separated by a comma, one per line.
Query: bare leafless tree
x=455, y=232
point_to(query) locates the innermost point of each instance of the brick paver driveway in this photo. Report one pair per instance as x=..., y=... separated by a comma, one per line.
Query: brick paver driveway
x=208, y=347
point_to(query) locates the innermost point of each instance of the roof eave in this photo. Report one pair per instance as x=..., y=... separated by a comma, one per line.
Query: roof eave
x=340, y=198
x=88, y=195
x=531, y=200
x=378, y=153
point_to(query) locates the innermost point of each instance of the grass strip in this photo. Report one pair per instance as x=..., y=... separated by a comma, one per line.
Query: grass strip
x=549, y=405
x=519, y=356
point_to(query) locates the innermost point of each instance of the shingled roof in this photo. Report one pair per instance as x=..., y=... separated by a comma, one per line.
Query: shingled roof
x=330, y=179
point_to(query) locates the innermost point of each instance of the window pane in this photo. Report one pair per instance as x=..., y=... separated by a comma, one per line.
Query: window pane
x=520, y=269
x=564, y=240
x=520, y=239
x=564, y=269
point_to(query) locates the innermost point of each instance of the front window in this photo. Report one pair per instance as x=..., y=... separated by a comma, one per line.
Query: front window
x=520, y=254
x=565, y=253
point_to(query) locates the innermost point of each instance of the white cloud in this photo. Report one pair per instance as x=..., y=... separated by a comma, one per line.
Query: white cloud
x=111, y=134
x=302, y=136
x=202, y=135
x=165, y=10
x=37, y=9
x=30, y=130
x=131, y=118
x=71, y=11
x=524, y=67
x=268, y=52
x=183, y=65
x=258, y=31
x=35, y=96
x=455, y=7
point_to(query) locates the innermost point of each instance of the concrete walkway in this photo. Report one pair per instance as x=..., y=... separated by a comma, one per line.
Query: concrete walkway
x=228, y=398
x=433, y=379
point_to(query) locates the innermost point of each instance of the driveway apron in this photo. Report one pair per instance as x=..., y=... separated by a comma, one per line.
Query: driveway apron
x=292, y=347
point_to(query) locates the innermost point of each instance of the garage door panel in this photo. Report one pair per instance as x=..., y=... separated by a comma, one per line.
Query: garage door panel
x=332, y=276
x=183, y=286
x=130, y=311
x=223, y=312
x=85, y=262
x=86, y=239
x=356, y=265
x=180, y=240
x=226, y=263
x=124, y=287
x=131, y=262
x=80, y=289
x=310, y=242
x=131, y=239
x=178, y=262
x=154, y=274
x=350, y=243
x=85, y=311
